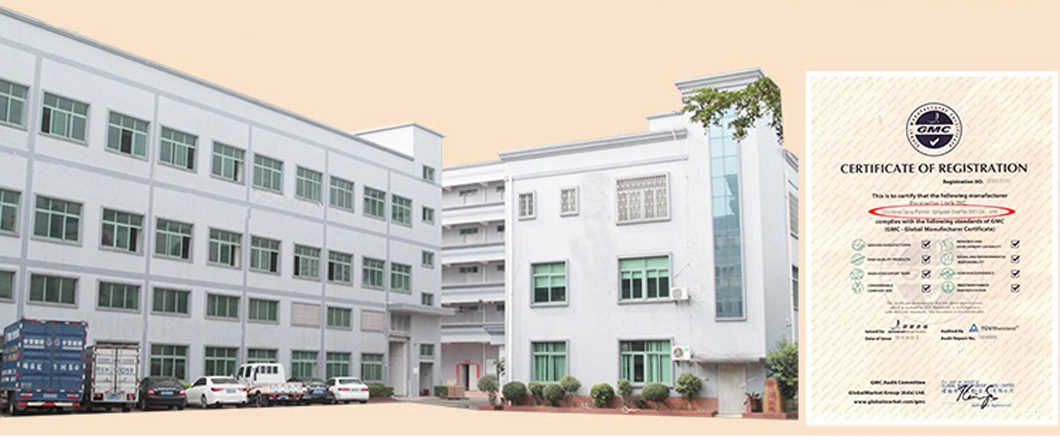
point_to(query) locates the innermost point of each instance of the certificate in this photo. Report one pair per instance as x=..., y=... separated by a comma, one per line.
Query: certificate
x=932, y=293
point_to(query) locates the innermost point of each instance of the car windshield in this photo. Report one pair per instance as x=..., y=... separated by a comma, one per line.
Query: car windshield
x=313, y=382
x=350, y=382
x=165, y=382
x=224, y=381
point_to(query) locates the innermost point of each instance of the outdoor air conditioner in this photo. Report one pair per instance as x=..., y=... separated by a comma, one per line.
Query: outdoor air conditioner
x=679, y=293
x=681, y=353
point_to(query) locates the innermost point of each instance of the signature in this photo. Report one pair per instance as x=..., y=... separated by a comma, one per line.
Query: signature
x=967, y=394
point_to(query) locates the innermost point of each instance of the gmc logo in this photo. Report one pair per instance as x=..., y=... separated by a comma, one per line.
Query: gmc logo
x=934, y=129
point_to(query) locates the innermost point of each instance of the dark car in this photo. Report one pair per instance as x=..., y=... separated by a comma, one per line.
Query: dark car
x=315, y=390
x=164, y=391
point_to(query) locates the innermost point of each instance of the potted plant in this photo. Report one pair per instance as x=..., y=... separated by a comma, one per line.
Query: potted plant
x=753, y=402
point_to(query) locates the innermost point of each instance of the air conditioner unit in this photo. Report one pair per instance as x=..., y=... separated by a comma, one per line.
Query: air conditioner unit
x=679, y=293
x=681, y=353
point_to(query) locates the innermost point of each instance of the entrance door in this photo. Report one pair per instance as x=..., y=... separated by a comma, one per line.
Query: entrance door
x=426, y=378
x=465, y=372
x=732, y=384
x=398, y=377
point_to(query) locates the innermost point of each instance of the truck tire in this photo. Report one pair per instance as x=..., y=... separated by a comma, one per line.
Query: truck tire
x=261, y=401
x=126, y=408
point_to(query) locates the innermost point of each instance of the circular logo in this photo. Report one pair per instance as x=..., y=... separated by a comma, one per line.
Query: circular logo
x=934, y=129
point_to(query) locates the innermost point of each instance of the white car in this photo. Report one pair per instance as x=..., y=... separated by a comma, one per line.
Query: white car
x=216, y=391
x=347, y=389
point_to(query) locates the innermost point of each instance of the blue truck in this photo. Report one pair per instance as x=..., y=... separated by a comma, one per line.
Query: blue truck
x=43, y=365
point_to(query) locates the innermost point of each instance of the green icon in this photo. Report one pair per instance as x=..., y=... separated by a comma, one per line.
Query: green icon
x=947, y=286
x=947, y=273
x=858, y=244
x=857, y=288
x=947, y=259
x=857, y=274
x=946, y=244
x=857, y=259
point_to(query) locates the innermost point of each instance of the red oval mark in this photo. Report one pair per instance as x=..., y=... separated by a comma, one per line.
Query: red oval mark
x=878, y=212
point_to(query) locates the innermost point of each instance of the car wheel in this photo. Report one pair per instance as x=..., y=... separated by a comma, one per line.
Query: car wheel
x=203, y=401
x=364, y=402
x=142, y=405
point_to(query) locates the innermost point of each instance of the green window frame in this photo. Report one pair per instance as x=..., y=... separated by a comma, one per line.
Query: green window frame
x=57, y=219
x=340, y=267
x=268, y=173
x=173, y=239
x=428, y=173
x=261, y=356
x=306, y=262
x=428, y=215
x=644, y=278
x=644, y=362
x=122, y=230
x=222, y=306
x=401, y=210
x=372, y=272
x=426, y=350
x=227, y=162
x=371, y=367
x=427, y=259
x=170, y=301
x=7, y=284
x=177, y=148
x=304, y=363
x=308, y=183
x=64, y=117
x=53, y=289
x=337, y=364
x=374, y=203
x=548, y=361
x=264, y=254
x=341, y=194
x=795, y=287
x=118, y=296
x=220, y=361
x=549, y=283
x=169, y=360
x=727, y=222
x=225, y=247
x=263, y=310
x=9, y=203
x=13, y=103
x=400, y=277
x=427, y=299
x=127, y=135
x=339, y=317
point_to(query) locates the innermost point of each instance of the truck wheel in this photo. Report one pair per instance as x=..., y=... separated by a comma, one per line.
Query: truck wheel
x=126, y=408
x=260, y=401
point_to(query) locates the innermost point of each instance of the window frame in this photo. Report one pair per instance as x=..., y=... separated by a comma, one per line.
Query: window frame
x=532, y=206
x=577, y=201
x=116, y=226
x=168, y=232
x=191, y=151
x=45, y=277
x=261, y=169
x=340, y=311
x=669, y=202
x=125, y=296
x=646, y=354
x=10, y=95
x=429, y=219
x=395, y=286
x=400, y=213
x=428, y=174
x=70, y=116
x=549, y=356
x=427, y=259
x=645, y=279
x=304, y=183
x=236, y=253
x=337, y=185
x=228, y=153
x=257, y=251
x=334, y=266
x=330, y=364
x=133, y=132
x=251, y=311
x=381, y=272
x=315, y=362
x=80, y=218
x=374, y=200
x=374, y=364
x=172, y=357
x=566, y=285
x=301, y=258
x=16, y=206
x=11, y=285
x=230, y=363
x=159, y=308
x=217, y=297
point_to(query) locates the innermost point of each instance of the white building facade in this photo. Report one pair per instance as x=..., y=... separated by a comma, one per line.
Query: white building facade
x=208, y=227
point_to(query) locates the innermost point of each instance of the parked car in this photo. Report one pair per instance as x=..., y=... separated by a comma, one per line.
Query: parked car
x=348, y=389
x=161, y=391
x=313, y=390
x=217, y=391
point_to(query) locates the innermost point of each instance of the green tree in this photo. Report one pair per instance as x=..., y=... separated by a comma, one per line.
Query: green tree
x=783, y=364
x=488, y=383
x=759, y=99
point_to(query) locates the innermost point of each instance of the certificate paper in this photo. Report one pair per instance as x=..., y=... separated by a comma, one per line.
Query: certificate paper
x=932, y=230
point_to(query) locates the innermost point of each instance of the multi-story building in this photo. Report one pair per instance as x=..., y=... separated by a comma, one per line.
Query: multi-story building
x=642, y=256
x=209, y=227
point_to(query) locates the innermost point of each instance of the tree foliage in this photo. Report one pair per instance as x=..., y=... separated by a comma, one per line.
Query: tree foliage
x=759, y=99
x=783, y=364
x=489, y=384
x=689, y=385
x=602, y=394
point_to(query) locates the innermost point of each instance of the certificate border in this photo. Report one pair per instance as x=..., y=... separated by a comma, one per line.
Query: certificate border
x=810, y=420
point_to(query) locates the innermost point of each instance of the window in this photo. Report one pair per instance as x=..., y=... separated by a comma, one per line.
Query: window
x=170, y=301
x=469, y=269
x=225, y=247
x=340, y=267
x=169, y=360
x=426, y=350
x=264, y=254
x=526, y=206
x=126, y=134
x=793, y=214
x=308, y=184
x=339, y=317
x=9, y=209
x=468, y=231
x=500, y=267
x=58, y=219
x=305, y=314
x=400, y=277
x=268, y=173
x=500, y=307
x=468, y=192
x=500, y=228
x=428, y=259
x=374, y=203
x=795, y=287
x=64, y=117
x=119, y=296
x=306, y=262
x=644, y=362
x=371, y=367
x=725, y=201
x=428, y=215
x=372, y=321
x=549, y=361
x=568, y=201
x=401, y=212
x=13, y=103
x=303, y=363
x=263, y=310
x=400, y=323
x=228, y=162
x=372, y=273
x=121, y=230
x=173, y=239
x=222, y=306
x=221, y=361
x=550, y=283
x=642, y=199
x=261, y=356
x=428, y=173
x=337, y=365
x=178, y=148
x=427, y=299
x=341, y=194
x=7, y=284
x=467, y=309
x=644, y=278
x=53, y=289
x=500, y=189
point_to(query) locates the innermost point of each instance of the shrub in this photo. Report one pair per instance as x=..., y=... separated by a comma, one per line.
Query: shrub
x=553, y=393
x=489, y=384
x=380, y=390
x=688, y=385
x=625, y=389
x=537, y=389
x=640, y=402
x=186, y=385
x=514, y=392
x=655, y=392
x=441, y=390
x=783, y=364
x=570, y=386
x=602, y=394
